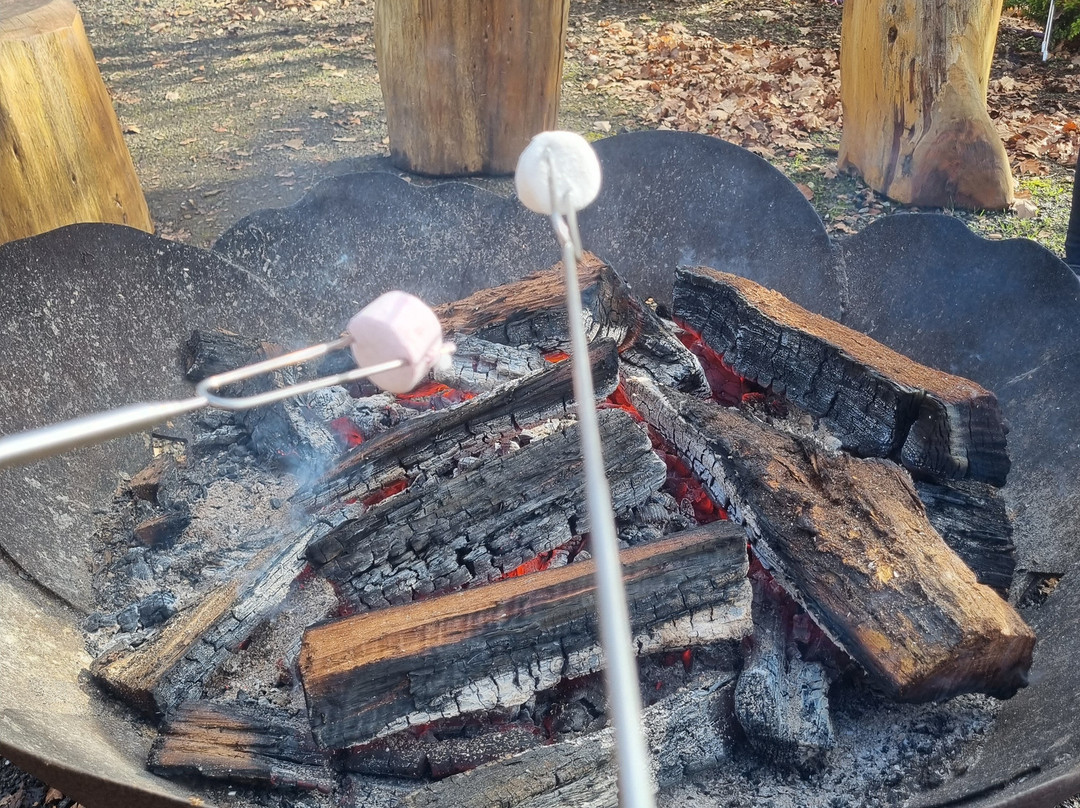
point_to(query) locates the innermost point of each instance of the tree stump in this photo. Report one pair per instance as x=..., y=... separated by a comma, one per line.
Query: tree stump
x=467, y=83
x=62, y=157
x=913, y=81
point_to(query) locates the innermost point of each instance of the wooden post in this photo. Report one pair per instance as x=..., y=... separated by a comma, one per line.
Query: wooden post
x=467, y=83
x=62, y=157
x=913, y=81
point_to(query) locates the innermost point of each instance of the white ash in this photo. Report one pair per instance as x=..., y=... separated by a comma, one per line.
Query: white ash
x=885, y=753
x=267, y=668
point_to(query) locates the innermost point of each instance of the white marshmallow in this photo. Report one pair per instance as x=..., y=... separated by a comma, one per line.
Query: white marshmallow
x=397, y=325
x=565, y=158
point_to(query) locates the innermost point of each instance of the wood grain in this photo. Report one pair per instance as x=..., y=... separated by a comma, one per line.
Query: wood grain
x=62, y=156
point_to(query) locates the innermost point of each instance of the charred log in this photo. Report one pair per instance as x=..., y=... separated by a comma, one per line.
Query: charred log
x=972, y=519
x=532, y=311
x=172, y=666
x=687, y=732
x=849, y=539
x=494, y=647
x=435, y=757
x=207, y=353
x=162, y=530
x=393, y=455
x=240, y=743
x=782, y=701
x=876, y=401
x=494, y=515
x=480, y=366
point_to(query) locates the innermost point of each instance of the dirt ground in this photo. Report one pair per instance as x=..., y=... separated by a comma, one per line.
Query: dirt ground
x=229, y=106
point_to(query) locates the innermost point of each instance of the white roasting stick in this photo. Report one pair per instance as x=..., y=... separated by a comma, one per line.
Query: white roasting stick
x=396, y=339
x=557, y=175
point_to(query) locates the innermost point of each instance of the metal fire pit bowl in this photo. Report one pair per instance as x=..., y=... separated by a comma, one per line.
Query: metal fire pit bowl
x=91, y=317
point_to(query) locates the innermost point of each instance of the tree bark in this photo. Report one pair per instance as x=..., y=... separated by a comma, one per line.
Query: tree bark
x=913, y=81
x=62, y=157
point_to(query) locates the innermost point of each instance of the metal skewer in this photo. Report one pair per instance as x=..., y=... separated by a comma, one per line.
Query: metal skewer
x=624, y=693
x=35, y=444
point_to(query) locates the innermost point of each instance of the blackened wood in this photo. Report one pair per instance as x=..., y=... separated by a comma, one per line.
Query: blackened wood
x=974, y=522
x=172, y=666
x=478, y=365
x=657, y=352
x=495, y=646
x=689, y=732
x=532, y=311
x=849, y=539
x=206, y=353
x=392, y=455
x=240, y=743
x=474, y=525
x=876, y=401
x=430, y=756
x=162, y=530
x=144, y=484
x=782, y=701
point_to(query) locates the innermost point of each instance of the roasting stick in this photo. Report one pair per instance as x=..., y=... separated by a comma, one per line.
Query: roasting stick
x=557, y=175
x=396, y=339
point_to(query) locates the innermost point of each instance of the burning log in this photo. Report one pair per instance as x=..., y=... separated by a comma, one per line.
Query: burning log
x=849, y=539
x=532, y=312
x=781, y=700
x=687, y=733
x=876, y=401
x=481, y=524
x=432, y=757
x=495, y=646
x=240, y=743
x=481, y=366
x=174, y=664
x=393, y=455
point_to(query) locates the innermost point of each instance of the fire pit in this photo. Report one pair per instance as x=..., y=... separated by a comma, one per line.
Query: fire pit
x=1003, y=314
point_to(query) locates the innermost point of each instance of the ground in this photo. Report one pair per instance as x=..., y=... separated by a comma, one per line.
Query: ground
x=229, y=106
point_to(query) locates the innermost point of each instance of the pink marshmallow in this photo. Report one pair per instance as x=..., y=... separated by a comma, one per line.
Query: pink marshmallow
x=397, y=325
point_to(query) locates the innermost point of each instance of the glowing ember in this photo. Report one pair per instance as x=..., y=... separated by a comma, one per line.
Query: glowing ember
x=347, y=433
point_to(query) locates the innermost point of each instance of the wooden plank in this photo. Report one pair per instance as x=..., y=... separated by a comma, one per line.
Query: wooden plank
x=495, y=646
x=849, y=539
x=482, y=516
x=876, y=401
x=240, y=743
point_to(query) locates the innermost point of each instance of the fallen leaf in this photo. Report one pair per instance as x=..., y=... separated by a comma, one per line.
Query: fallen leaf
x=319, y=114
x=602, y=126
x=132, y=129
x=188, y=141
x=296, y=144
x=172, y=95
x=158, y=27
x=54, y=795
x=806, y=190
x=344, y=139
